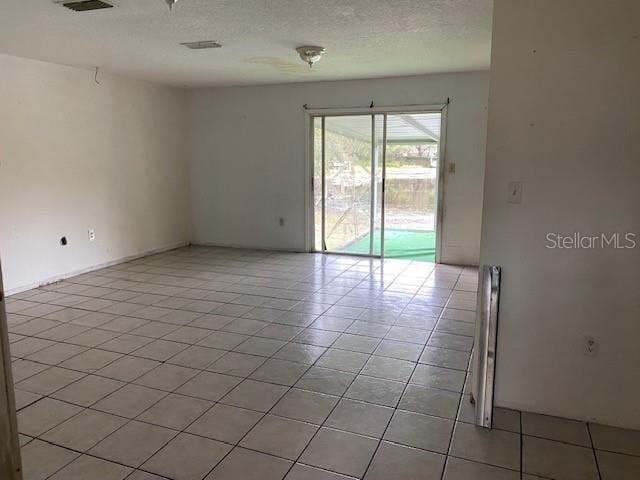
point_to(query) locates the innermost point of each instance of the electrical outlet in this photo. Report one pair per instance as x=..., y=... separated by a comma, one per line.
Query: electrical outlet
x=452, y=168
x=591, y=346
x=515, y=192
x=281, y=222
x=92, y=234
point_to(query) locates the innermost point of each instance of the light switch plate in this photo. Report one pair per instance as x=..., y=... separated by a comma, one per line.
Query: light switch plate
x=515, y=192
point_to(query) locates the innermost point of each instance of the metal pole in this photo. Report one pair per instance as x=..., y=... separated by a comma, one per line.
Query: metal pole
x=324, y=243
x=372, y=209
x=485, y=344
x=384, y=179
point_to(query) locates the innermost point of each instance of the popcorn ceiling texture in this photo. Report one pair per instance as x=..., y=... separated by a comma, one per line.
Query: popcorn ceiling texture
x=364, y=38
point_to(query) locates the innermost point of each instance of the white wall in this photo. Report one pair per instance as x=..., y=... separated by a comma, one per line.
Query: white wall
x=564, y=118
x=76, y=155
x=248, y=156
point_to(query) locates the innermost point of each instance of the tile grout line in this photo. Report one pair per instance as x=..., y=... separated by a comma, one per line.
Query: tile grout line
x=213, y=332
x=407, y=383
x=380, y=339
x=455, y=422
x=274, y=405
x=264, y=414
x=593, y=450
x=176, y=434
x=322, y=425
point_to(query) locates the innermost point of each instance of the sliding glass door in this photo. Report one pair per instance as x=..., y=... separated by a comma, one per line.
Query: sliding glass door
x=375, y=184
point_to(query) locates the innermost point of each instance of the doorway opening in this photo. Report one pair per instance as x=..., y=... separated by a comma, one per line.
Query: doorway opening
x=377, y=183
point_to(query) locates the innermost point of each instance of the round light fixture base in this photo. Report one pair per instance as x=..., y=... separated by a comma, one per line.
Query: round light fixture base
x=171, y=3
x=310, y=53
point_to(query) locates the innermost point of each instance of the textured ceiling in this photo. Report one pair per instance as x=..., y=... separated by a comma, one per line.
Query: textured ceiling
x=363, y=38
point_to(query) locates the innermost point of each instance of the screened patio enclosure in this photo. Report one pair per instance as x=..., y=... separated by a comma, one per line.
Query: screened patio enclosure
x=376, y=184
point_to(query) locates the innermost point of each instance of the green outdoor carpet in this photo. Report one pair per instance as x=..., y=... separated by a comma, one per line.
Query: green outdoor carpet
x=406, y=244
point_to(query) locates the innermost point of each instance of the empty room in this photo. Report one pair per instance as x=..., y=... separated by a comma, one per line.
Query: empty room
x=319, y=240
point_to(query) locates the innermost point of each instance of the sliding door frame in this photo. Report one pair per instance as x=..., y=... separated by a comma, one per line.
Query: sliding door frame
x=312, y=113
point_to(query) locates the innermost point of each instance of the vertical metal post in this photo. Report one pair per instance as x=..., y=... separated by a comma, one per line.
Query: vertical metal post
x=485, y=344
x=384, y=179
x=324, y=243
x=372, y=210
x=10, y=462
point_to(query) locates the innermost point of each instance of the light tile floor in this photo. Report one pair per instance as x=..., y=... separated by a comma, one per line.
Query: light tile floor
x=220, y=364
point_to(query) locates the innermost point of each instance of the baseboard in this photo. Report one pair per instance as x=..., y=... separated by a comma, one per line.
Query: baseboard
x=92, y=268
x=129, y=258
x=248, y=247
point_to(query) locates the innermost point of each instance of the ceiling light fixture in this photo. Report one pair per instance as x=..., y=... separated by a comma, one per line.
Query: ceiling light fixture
x=171, y=3
x=310, y=54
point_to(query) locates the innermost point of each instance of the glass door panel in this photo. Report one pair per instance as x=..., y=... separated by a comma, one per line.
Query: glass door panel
x=347, y=183
x=317, y=183
x=411, y=184
x=377, y=198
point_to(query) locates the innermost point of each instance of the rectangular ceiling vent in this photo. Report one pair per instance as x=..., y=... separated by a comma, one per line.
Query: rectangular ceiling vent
x=86, y=5
x=201, y=45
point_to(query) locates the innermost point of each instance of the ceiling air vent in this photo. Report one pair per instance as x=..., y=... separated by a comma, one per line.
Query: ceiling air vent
x=86, y=5
x=201, y=45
